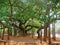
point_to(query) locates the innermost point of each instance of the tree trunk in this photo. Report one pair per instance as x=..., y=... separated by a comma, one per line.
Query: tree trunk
x=45, y=32
x=10, y=31
x=0, y=31
x=15, y=31
x=49, y=37
x=38, y=34
x=10, y=9
x=41, y=37
x=3, y=33
x=53, y=31
x=24, y=31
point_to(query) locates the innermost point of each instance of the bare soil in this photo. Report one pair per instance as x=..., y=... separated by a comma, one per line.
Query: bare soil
x=23, y=40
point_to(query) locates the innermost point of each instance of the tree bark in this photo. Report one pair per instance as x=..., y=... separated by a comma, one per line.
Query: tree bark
x=3, y=33
x=8, y=33
x=38, y=34
x=53, y=31
x=45, y=32
x=10, y=9
x=49, y=37
x=15, y=31
x=41, y=36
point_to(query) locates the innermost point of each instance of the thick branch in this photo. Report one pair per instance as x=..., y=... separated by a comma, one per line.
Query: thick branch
x=20, y=21
x=31, y=26
x=29, y=29
x=10, y=9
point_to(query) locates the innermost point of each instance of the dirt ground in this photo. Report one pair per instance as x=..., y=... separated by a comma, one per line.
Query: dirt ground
x=23, y=40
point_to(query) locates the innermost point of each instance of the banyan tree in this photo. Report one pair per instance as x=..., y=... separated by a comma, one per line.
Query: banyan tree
x=29, y=16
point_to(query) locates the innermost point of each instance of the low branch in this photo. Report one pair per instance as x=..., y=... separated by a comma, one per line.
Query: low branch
x=10, y=9
x=31, y=26
x=15, y=25
x=20, y=21
x=29, y=29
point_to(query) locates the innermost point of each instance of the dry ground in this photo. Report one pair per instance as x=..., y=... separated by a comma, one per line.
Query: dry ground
x=20, y=40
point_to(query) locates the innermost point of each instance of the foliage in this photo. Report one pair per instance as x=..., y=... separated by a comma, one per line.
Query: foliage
x=29, y=12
